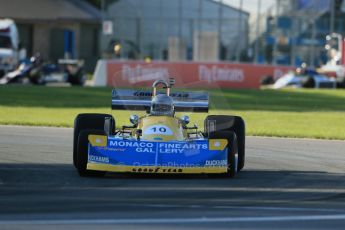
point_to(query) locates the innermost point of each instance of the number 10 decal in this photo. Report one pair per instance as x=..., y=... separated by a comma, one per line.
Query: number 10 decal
x=161, y=129
x=158, y=129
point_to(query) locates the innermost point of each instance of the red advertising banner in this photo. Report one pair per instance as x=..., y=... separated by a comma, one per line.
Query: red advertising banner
x=191, y=74
x=343, y=52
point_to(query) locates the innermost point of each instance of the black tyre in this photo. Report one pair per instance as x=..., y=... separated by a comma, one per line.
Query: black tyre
x=267, y=80
x=232, y=150
x=308, y=82
x=36, y=76
x=84, y=121
x=341, y=83
x=236, y=124
x=82, y=153
x=78, y=78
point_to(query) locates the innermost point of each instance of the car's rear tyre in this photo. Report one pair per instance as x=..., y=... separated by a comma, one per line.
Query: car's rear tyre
x=341, y=83
x=232, y=150
x=308, y=82
x=78, y=78
x=267, y=80
x=85, y=121
x=82, y=153
x=214, y=123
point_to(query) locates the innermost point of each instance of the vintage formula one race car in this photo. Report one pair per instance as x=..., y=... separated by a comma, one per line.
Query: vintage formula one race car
x=158, y=142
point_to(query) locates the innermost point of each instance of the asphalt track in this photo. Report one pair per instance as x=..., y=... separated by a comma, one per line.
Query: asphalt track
x=286, y=184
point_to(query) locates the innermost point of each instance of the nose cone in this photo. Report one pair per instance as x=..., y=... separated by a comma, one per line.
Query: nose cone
x=162, y=128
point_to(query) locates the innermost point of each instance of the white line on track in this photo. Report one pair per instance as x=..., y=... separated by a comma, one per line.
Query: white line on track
x=279, y=208
x=244, y=189
x=174, y=220
x=268, y=208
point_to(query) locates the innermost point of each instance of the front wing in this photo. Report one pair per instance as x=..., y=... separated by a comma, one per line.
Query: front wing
x=182, y=157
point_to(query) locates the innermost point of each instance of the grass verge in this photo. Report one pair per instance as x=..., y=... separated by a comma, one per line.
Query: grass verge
x=285, y=113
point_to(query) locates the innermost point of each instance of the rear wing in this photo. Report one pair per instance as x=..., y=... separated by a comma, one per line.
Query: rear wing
x=123, y=99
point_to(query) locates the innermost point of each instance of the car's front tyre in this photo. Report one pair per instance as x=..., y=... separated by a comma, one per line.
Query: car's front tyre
x=216, y=123
x=82, y=154
x=232, y=149
x=84, y=121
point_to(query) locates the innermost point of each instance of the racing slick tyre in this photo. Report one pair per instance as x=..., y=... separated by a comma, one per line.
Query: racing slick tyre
x=232, y=149
x=36, y=76
x=267, y=80
x=341, y=83
x=84, y=121
x=309, y=82
x=82, y=153
x=78, y=78
x=229, y=123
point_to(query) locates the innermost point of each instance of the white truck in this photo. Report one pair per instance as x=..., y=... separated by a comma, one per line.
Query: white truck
x=8, y=46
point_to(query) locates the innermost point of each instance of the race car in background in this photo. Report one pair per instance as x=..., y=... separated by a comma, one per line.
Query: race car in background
x=158, y=142
x=39, y=72
x=330, y=75
x=306, y=78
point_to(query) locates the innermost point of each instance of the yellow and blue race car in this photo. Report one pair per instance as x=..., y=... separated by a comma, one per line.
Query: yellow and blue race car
x=158, y=142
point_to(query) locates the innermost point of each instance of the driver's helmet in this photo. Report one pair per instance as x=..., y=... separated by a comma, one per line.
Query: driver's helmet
x=162, y=105
x=36, y=58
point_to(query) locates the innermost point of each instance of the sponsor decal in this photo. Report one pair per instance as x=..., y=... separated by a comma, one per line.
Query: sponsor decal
x=150, y=94
x=216, y=73
x=98, y=159
x=120, y=143
x=181, y=147
x=216, y=163
x=193, y=74
x=156, y=170
x=140, y=73
x=140, y=146
x=167, y=165
x=167, y=147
